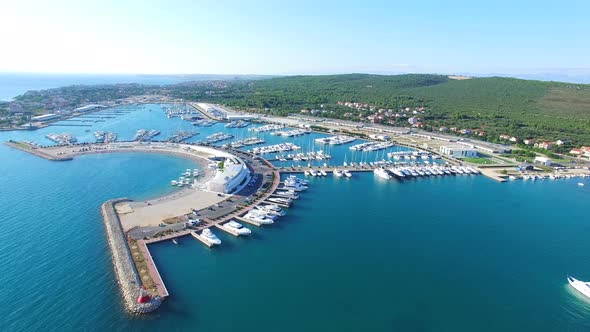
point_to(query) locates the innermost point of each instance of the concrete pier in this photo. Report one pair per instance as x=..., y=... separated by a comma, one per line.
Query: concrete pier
x=202, y=239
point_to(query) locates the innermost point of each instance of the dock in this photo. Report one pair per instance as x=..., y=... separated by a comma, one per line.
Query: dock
x=153, y=270
x=202, y=239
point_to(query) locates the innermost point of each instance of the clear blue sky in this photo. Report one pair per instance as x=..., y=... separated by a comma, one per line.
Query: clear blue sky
x=293, y=37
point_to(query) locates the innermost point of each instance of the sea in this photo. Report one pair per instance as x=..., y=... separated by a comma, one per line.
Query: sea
x=453, y=253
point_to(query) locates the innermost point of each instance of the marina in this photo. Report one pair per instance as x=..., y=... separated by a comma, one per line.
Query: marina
x=285, y=197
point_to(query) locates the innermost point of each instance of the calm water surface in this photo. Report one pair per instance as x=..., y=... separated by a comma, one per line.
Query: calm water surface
x=457, y=253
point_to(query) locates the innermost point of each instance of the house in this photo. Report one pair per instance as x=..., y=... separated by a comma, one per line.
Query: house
x=577, y=152
x=505, y=137
x=562, y=142
x=443, y=129
x=413, y=120
x=544, y=145
x=513, y=139
x=528, y=141
x=466, y=131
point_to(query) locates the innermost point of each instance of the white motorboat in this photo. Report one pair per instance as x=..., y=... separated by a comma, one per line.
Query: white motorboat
x=337, y=173
x=210, y=236
x=382, y=173
x=580, y=286
x=347, y=174
x=238, y=227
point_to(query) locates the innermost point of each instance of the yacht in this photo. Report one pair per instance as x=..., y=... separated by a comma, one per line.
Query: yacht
x=238, y=227
x=323, y=173
x=280, y=200
x=210, y=237
x=580, y=286
x=261, y=213
x=337, y=173
x=313, y=172
x=258, y=219
x=347, y=174
x=173, y=182
x=273, y=210
x=382, y=173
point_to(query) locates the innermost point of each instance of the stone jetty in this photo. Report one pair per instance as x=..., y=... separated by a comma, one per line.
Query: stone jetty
x=125, y=270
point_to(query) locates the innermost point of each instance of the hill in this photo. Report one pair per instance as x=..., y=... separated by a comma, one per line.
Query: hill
x=496, y=105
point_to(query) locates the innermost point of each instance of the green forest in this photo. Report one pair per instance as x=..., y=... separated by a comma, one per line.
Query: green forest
x=496, y=105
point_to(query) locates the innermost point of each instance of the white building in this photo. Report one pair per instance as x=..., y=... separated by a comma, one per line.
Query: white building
x=234, y=174
x=543, y=161
x=234, y=117
x=44, y=117
x=458, y=151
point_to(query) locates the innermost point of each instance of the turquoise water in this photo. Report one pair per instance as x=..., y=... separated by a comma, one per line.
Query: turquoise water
x=457, y=253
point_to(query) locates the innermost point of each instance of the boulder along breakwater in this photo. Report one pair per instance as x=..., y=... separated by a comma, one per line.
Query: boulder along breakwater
x=125, y=271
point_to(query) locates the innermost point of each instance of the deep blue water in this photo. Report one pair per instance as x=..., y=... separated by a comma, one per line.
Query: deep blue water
x=457, y=253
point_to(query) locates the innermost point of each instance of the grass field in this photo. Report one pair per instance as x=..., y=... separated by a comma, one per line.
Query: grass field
x=480, y=161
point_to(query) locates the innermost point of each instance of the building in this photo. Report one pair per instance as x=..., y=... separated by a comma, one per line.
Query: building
x=88, y=108
x=544, y=145
x=228, y=179
x=234, y=117
x=44, y=117
x=458, y=151
x=380, y=137
x=543, y=161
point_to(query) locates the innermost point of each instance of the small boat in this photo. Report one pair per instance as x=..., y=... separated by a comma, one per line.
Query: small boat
x=581, y=184
x=337, y=173
x=347, y=174
x=175, y=241
x=580, y=286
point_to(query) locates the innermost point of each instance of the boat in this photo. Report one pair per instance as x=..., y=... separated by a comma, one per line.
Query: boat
x=175, y=241
x=347, y=174
x=279, y=200
x=210, y=236
x=337, y=173
x=258, y=219
x=273, y=210
x=323, y=173
x=580, y=286
x=581, y=184
x=382, y=173
x=238, y=227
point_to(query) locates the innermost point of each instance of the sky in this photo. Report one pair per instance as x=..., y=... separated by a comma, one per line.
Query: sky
x=294, y=37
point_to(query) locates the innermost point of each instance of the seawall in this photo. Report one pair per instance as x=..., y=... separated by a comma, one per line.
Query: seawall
x=125, y=271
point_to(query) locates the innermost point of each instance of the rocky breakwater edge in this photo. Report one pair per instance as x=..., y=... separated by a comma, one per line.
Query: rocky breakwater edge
x=125, y=271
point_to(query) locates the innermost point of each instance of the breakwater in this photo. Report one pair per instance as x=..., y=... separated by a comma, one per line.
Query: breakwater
x=125, y=270
x=36, y=151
